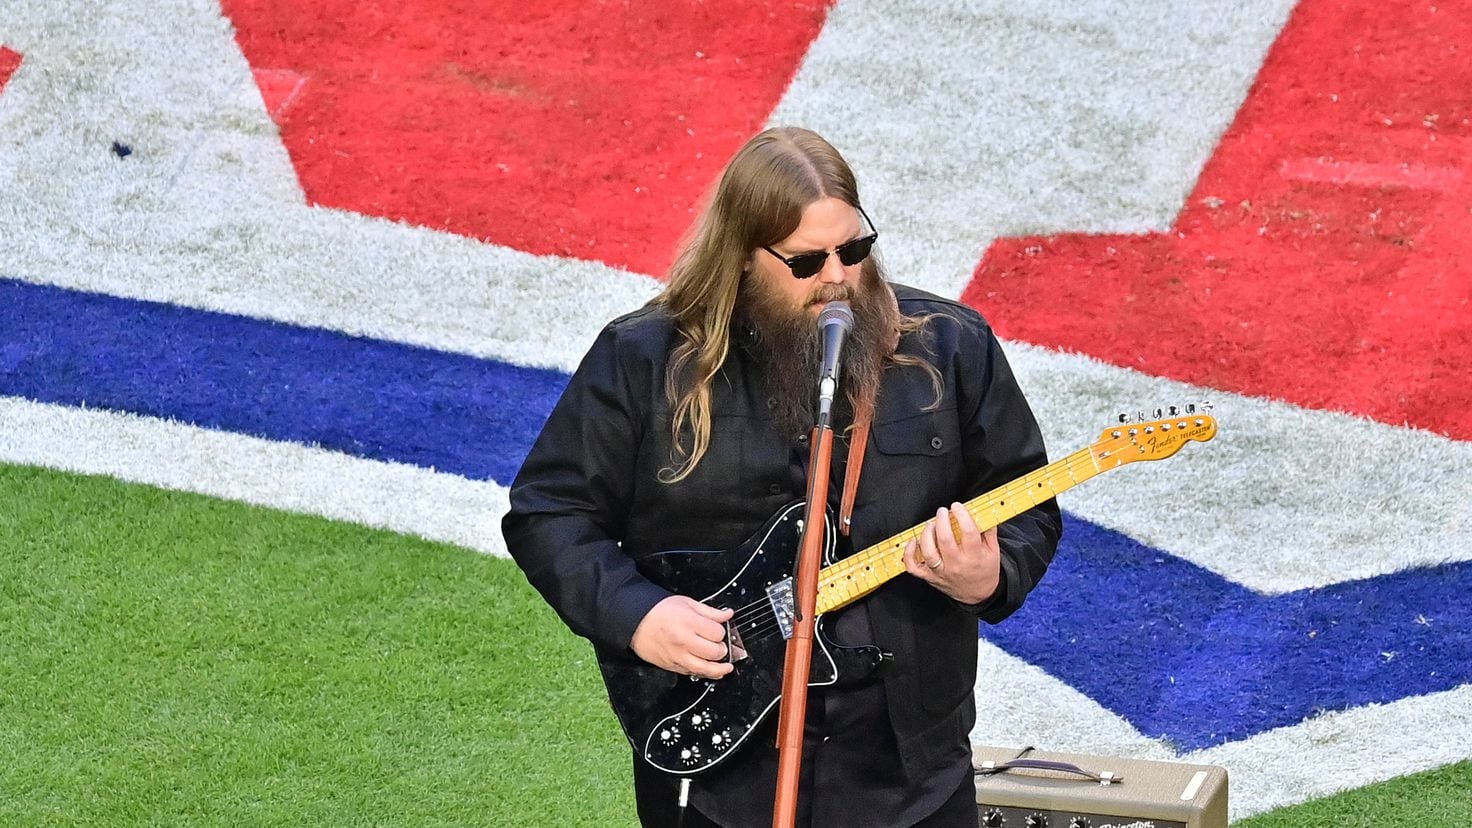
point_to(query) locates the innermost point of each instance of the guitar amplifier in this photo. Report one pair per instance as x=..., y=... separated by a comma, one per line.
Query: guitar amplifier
x=1037, y=789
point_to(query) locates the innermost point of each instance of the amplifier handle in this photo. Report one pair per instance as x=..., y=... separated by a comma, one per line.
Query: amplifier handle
x=1104, y=778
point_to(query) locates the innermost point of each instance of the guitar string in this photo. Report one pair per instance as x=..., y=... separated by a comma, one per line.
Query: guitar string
x=761, y=618
x=1015, y=489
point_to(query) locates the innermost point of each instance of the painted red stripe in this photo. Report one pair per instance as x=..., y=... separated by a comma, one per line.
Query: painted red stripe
x=1324, y=256
x=9, y=62
x=558, y=127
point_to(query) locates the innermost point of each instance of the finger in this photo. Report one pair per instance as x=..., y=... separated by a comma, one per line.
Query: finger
x=990, y=538
x=945, y=538
x=722, y=614
x=929, y=554
x=963, y=517
x=708, y=650
x=707, y=630
x=705, y=669
x=913, y=564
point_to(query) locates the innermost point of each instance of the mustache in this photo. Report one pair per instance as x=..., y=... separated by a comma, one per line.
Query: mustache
x=833, y=293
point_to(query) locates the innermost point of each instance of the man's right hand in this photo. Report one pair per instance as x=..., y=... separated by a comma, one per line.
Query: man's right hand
x=684, y=636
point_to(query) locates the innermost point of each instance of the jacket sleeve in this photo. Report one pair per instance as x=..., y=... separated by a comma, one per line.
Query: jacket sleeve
x=570, y=499
x=1002, y=442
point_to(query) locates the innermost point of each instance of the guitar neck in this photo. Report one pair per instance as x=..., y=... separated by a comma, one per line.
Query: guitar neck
x=863, y=572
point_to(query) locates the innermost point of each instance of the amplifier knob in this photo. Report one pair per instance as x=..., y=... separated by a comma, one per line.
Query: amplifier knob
x=993, y=819
x=1036, y=821
x=1078, y=822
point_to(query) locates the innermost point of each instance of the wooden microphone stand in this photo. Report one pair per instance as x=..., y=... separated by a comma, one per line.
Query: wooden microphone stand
x=799, y=661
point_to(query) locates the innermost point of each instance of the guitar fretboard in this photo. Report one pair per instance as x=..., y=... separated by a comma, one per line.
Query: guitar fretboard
x=863, y=572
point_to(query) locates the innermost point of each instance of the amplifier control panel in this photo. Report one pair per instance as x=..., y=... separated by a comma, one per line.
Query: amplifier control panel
x=1001, y=816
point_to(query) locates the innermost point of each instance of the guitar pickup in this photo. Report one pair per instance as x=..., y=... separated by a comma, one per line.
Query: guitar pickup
x=784, y=605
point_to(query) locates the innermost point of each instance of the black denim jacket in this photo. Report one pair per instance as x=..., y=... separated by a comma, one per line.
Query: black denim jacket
x=587, y=502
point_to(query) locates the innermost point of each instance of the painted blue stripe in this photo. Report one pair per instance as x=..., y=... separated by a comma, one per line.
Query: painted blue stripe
x=1178, y=651
x=365, y=397
x=1186, y=655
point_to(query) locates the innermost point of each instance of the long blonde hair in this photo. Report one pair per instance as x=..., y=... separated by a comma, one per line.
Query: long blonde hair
x=759, y=201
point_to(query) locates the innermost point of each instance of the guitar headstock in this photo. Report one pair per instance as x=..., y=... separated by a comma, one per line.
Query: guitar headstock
x=1138, y=438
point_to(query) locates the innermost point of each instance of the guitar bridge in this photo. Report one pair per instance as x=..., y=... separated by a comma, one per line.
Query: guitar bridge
x=783, y=605
x=735, y=647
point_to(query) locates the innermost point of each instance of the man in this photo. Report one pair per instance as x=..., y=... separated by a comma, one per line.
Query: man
x=686, y=427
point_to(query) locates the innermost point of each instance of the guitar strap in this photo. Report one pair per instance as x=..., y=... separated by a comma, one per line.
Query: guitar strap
x=855, y=464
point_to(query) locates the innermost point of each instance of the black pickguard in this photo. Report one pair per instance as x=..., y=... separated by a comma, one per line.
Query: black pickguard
x=683, y=725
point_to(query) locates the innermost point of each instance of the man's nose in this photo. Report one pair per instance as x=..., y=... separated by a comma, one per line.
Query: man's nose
x=832, y=272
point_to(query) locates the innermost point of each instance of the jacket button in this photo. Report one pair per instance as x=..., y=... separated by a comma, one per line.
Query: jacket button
x=936, y=443
x=775, y=488
x=802, y=438
x=771, y=402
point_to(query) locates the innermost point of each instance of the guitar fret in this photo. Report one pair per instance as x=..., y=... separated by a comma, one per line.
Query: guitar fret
x=865, y=571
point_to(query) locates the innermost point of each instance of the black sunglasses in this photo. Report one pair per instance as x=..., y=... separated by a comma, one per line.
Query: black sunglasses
x=807, y=265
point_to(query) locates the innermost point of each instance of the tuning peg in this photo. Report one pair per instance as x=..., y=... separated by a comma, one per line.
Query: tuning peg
x=1207, y=406
x=1191, y=408
x=1159, y=412
x=1175, y=411
x=1124, y=419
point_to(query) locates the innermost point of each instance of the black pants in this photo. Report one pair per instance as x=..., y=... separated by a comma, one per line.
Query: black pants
x=662, y=810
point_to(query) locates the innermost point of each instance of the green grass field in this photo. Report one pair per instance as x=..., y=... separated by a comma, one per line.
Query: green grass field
x=1436, y=799
x=171, y=659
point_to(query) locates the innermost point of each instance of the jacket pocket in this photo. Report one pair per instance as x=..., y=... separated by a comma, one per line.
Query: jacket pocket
x=914, y=466
x=927, y=434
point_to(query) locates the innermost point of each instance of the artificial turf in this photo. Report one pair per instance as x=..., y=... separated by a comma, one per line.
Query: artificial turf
x=172, y=659
x=1441, y=798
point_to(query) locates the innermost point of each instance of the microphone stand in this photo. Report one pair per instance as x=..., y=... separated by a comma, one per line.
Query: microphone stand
x=799, y=661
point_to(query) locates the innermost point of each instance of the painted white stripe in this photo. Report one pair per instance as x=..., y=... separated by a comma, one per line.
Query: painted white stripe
x=1019, y=705
x=207, y=213
x=287, y=476
x=966, y=122
x=971, y=120
x=1284, y=499
x=1339, y=751
x=364, y=276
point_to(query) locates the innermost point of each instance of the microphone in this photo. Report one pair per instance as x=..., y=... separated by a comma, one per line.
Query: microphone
x=833, y=325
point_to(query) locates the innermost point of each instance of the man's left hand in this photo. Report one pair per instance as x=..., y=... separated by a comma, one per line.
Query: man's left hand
x=967, y=569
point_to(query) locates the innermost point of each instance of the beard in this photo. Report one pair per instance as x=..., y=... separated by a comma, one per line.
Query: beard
x=791, y=354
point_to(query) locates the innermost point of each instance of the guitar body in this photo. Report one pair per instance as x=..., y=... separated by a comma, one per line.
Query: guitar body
x=684, y=725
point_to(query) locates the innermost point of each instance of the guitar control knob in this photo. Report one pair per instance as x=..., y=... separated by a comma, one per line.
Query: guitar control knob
x=722, y=740
x=993, y=818
x=1036, y=821
x=690, y=756
x=701, y=720
x=669, y=734
x=1080, y=822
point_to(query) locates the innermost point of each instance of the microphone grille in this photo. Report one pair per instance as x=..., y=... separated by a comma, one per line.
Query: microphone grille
x=837, y=313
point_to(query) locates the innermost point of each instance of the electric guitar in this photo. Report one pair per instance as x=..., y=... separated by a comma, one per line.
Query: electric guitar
x=684, y=725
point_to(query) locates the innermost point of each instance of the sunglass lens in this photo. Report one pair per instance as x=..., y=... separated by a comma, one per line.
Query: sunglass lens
x=855, y=251
x=807, y=265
